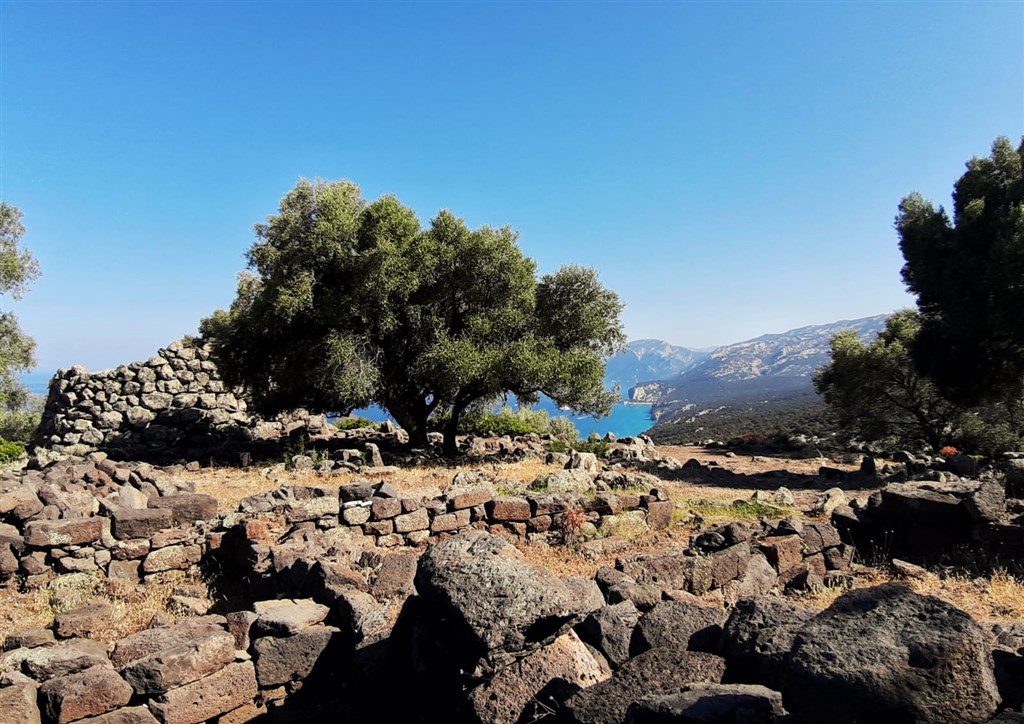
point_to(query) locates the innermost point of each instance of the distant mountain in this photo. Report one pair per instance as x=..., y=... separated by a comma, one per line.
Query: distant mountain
x=766, y=372
x=650, y=359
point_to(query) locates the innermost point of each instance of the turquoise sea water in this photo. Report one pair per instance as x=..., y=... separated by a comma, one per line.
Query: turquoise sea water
x=624, y=420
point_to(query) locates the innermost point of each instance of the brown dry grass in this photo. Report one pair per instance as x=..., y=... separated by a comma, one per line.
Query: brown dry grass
x=231, y=485
x=1000, y=597
x=134, y=606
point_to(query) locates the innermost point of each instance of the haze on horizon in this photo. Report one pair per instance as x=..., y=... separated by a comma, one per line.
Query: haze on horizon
x=730, y=169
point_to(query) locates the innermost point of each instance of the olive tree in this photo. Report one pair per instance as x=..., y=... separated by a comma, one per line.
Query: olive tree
x=347, y=303
x=18, y=269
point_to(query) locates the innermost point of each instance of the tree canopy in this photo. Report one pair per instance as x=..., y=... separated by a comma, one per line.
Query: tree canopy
x=348, y=303
x=18, y=268
x=968, y=275
x=952, y=371
x=878, y=394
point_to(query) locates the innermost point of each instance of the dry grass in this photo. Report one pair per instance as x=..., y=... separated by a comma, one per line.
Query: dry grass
x=1000, y=597
x=231, y=485
x=134, y=606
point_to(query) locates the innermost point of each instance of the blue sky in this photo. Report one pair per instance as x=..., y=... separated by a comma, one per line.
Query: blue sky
x=731, y=169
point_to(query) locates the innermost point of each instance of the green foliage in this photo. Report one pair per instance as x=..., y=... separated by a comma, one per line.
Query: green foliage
x=778, y=420
x=353, y=423
x=20, y=425
x=10, y=451
x=967, y=276
x=350, y=303
x=18, y=269
x=508, y=421
x=877, y=393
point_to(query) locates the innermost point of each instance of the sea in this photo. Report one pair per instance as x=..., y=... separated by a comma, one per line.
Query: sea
x=625, y=419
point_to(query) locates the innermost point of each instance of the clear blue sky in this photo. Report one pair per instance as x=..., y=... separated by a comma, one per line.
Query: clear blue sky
x=731, y=169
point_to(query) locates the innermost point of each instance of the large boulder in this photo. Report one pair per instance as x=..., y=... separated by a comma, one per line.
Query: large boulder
x=758, y=637
x=889, y=654
x=545, y=678
x=710, y=704
x=658, y=671
x=484, y=594
x=610, y=629
x=679, y=624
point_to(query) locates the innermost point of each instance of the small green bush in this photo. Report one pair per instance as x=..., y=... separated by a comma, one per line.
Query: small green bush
x=353, y=423
x=10, y=451
x=20, y=425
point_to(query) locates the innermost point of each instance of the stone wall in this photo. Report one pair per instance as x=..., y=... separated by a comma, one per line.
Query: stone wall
x=173, y=406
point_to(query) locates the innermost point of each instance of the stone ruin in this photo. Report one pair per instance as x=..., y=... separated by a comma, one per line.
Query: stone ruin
x=171, y=407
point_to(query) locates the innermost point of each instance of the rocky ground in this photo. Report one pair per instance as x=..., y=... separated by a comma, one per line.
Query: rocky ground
x=648, y=584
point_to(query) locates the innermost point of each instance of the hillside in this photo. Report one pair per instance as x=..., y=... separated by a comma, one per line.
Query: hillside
x=740, y=384
x=650, y=359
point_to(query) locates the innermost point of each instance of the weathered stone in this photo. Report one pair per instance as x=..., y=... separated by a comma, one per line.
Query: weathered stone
x=385, y=508
x=783, y=552
x=414, y=521
x=659, y=514
x=819, y=536
x=128, y=523
x=679, y=624
x=28, y=638
x=356, y=515
x=360, y=617
x=240, y=624
x=222, y=691
x=565, y=662
x=187, y=508
x=124, y=570
x=887, y=649
x=656, y=671
x=509, y=509
x=172, y=558
x=285, y=617
x=291, y=658
x=83, y=620
x=450, y=521
x=21, y=502
x=18, y=702
x=66, y=657
x=150, y=641
x=94, y=691
x=757, y=638
x=461, y=497
x=669, y=572
x=490, y=600
x=576, y=482
x=395, y=577
x=610, y=630
x=180, y=664
x=710, y=704
x=52, y=533
x=126, y=715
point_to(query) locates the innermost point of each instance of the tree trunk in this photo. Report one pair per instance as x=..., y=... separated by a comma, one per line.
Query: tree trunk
x=451, y=431
x=414, y=422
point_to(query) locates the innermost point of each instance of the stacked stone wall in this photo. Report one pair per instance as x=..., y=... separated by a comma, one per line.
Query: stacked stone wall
x=174, y=406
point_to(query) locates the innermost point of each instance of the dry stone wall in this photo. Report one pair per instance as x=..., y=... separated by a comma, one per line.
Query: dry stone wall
x=173, y=406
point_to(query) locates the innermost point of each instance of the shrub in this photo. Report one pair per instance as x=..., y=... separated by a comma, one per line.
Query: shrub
x=10, y=451
x=353, y=423
x=20, y=425
x=509, y=421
